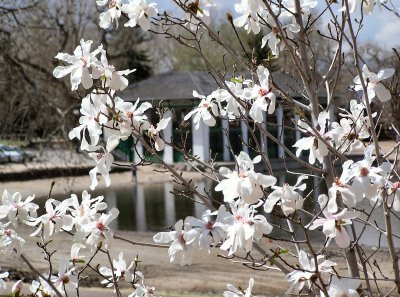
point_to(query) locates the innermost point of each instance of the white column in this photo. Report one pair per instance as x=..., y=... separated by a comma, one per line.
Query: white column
x=167, y=133
x=264, y=139
x=316, y=187
x=141, y=222
x=245, y=135
x=201, y=142
x=199, y=207
x=111, y=200
x=297, y=133
x=225, y=139
x=279, y=121
x=281, y=178
x=138, y=151
x=332, y=115
x=169, y=203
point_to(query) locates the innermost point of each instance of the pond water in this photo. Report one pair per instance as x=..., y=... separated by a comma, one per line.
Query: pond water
x=154, y=207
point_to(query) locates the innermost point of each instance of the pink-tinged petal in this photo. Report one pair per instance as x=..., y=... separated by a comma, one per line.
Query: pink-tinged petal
x=144, y=23
x=342, y=238
x=385, y=73
x=76, y=76
x=382, y=93
x=105, y=20
x=241, y=21
x=329, y=228
x=159, y=144
x=271, y=107
x=87, y=81
x=4, y=209
x=61, y=71
x=93, y=177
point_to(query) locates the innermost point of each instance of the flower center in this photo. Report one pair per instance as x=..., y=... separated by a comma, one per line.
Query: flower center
x=338, y=182
x=205, y=105
x=364, y=171
x=65, y=279
x=100, y=226
x=7, y=232
x=209, y=225
x=241, y=219
x=129, y=114
x=263, y=92
x=112, y=4
x=81, y=211
x=85, y=61
x=99, y=156
x=182, y=239
x=242, y=174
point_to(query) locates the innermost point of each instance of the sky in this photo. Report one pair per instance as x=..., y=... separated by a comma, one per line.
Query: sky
x=382, y=28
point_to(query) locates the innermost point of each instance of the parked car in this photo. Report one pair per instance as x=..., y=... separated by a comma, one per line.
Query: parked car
x=3, y=158
x=12, y=154
x=28, y=156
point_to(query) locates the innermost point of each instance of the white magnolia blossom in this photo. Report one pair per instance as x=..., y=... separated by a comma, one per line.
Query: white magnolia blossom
x=112, y=14
x=210, y=228
x=264, y=98
x=307, y=271
x=17, y=288
x=333, y=224
x=352, y=129
x=244, y=182
x=129, y=117
x=80, y=62
x=143, y=291
x=41, y=288
x=121, y=271
x=205, y=111
x=318, y=149
x=373, y=83
x=366, y=6
x=75, y=257
x=394, y=195
x=238, y=90
x=14, y=207
x=274, y=40
x=243, y=226
x=307, y=7
x=99, y=229
x=10, y=241
x=286, y=197
x=346, y=136
x=248, y=11
x=181, y=239
x=343, y=287
x=234, y=292
x=113, y=79
x=139, y=13
x=103, y=161
x=65, y=280
x=3, y=275
x=52, y=221
x=366, y=178
x=154, y=133
x=85, y=211
x=94, y=113
x=349, y=198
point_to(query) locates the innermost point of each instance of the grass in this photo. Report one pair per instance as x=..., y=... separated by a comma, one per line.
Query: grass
x=17, y=143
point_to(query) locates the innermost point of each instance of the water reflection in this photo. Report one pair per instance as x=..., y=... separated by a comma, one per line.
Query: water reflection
x=154, y=207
